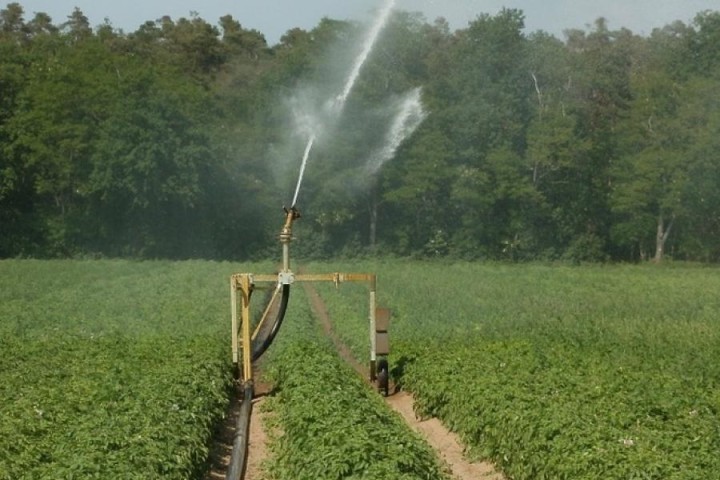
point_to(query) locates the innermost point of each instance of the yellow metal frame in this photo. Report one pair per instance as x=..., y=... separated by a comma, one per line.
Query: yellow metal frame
x=244, y=283
x=241, y=287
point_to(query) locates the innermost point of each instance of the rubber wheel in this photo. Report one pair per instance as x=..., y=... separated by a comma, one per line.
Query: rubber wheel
x=383, y=377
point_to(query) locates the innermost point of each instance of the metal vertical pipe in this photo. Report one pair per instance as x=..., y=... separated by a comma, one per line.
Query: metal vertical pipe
x=373, y=307
x=233, y=306
x=286, y=256
x=246, y=331
x=286, y=235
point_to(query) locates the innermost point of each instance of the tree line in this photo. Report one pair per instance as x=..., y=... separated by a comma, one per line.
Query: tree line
x=177, y=141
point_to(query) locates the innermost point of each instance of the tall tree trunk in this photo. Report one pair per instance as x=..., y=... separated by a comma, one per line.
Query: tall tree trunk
x=661, y=237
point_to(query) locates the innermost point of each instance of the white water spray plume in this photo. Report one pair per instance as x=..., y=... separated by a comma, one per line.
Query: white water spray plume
x=409, y=116
x=339, y=101
x=335, y=105
x=305, y=120
x=308, y=147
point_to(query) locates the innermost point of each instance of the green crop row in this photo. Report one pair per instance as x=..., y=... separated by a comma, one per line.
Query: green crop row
x=564, y=413
x=120, y=408
x=328, y=423
x=558, y=372
x=111, y=369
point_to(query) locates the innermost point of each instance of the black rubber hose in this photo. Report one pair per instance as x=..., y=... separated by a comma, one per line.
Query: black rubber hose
x=260, y=346
x=238, y=457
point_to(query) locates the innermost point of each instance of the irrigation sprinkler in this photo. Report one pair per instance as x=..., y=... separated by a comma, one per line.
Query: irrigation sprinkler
x=251, y=339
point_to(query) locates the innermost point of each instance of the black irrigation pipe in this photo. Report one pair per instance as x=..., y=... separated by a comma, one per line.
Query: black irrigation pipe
x=263, y=345
x=238, y=458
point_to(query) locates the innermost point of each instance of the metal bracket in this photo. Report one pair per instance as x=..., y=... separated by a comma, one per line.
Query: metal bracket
x=286, y=278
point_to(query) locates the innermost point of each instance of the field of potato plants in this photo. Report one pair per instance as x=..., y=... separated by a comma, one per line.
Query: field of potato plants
x=111, y=369
x=122, y=369
x=333, y=425
x=557, y=372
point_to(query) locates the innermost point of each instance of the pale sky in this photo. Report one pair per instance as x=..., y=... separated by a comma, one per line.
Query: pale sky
x=274, y=17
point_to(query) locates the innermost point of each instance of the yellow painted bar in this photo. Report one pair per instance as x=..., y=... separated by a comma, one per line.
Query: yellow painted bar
x=264, y=277
x=245, y=282
x=247, y=349
x=321, y=277
x=337, y=277
x=233, y=307
x=266, y=312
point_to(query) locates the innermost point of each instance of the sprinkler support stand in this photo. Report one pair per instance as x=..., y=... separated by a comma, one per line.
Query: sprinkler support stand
x=291, y=215
x=245, y=283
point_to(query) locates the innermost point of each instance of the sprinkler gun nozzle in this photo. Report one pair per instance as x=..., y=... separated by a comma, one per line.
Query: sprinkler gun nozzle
x=291, y=214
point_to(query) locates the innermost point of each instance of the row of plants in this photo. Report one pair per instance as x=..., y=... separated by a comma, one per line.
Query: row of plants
x=325, y=422
x=116, y=407
x=571, y=413
x=121, y=369
x=556, y=372
x=113, y=369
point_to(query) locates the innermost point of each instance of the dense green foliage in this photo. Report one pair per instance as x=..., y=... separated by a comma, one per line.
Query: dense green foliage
x=176, y=140
x=557, y=372
x=328, y=423
x=121, y=369
x=111, y=368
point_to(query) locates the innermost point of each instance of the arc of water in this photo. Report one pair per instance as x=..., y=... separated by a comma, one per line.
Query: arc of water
x=308, y=147
x=339, y=101
x=409, y=116
x=362, y=57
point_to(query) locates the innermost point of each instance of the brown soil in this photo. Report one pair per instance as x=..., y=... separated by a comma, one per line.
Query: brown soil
x=443, y=441
x=257, y=448
x=446, y=443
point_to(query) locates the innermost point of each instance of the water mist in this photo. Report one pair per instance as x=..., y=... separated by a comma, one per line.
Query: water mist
x=334, y=106
x=409, y=116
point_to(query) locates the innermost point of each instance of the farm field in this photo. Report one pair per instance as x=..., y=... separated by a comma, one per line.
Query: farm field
x=556, y=372
x=116, y=369
x=122, y=369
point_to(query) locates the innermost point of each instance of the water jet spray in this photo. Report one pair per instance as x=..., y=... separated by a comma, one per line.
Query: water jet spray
x=308, y=147
x=409, y=116
x=335, y=105
x=339, y=102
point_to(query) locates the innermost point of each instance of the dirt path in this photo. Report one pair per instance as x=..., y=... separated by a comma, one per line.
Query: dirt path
x=444, y=442
x=257, y=446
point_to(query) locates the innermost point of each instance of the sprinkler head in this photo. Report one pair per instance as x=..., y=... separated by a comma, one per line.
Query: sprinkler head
x=291, y=215
x=293, y=211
